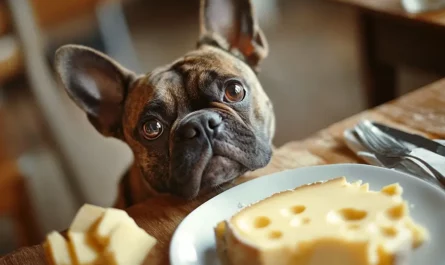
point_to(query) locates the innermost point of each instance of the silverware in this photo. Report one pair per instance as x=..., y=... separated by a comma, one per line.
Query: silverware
x=384, y=145
x=414, y=139
x=402, y=164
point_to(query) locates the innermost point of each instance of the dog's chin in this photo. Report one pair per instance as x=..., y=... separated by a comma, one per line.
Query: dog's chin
x=220, y=170
x=217, y=171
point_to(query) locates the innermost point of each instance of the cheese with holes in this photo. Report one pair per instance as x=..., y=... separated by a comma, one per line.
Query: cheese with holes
x=84, y=247
x=128, y=244
x=56, y=249
x=109, y=221
x=334, y=222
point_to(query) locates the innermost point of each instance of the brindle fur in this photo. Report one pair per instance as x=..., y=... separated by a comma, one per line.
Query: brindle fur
x=117, y=103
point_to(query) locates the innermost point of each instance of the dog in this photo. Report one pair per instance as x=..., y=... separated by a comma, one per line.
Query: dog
x=194, y=124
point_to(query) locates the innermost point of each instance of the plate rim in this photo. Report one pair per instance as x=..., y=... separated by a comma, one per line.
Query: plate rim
x=339, y=165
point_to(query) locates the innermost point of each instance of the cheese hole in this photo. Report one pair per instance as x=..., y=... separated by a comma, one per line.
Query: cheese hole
x=297, y=209
x=306, y=221
x=350, y=214
x=392, y=190
x=275, y=235
x=354, y=226
x=261, y=222
x=297, y=221
x=389, y=231
x=396, y=212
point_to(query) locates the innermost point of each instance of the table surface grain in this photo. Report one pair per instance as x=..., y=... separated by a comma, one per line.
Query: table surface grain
x=395, y=8
x=421, y=111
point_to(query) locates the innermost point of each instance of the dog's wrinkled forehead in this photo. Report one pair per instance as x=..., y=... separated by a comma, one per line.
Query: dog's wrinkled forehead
x=185, y=85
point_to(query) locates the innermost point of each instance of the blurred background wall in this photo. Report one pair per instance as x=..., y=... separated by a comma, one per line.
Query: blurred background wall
x=312, y=76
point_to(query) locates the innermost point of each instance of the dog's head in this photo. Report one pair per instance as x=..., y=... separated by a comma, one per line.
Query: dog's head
x=193, y=124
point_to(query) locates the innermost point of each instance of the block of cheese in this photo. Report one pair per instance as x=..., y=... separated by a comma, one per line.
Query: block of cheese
x=83, y=245
x=128, y=244
x=84, y=248
x=99, y=236
x=57, y=250
x=111, y=218
x=332, y=222
x=85, y=219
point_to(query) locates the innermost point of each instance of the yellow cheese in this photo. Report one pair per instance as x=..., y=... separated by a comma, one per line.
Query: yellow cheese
x=87, y=216
x=335, y=223
x=128, y=244
x=84, y=249
x=81, y=242
x=110, y=219
x=99, y=236
x=56, y=250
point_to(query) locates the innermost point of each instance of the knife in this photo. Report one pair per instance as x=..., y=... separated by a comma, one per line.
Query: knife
x=414, y=139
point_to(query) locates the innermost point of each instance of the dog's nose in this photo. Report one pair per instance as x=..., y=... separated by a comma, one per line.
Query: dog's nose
x=200, y=125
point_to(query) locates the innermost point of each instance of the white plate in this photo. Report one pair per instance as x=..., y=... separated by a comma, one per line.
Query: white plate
x=193, y=241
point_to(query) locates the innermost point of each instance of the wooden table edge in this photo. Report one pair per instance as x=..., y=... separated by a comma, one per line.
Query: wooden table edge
x=421, y=18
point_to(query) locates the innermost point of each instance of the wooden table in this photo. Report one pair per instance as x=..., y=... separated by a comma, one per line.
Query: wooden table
x=422, y=111
x=391, y=37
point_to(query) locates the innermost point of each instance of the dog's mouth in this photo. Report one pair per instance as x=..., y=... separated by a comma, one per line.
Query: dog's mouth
x=219, y=171
x=212, y=166
x=209, y=170
x=205, y=162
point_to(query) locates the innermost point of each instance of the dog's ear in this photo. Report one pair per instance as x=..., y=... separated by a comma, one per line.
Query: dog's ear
x=232, y=26
x=96, y=83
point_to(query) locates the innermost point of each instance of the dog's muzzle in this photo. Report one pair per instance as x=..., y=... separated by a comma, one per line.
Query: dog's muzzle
x=192, y=150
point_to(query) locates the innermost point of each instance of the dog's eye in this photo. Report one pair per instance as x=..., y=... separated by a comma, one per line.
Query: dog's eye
x=234, y=92
x=152, y=129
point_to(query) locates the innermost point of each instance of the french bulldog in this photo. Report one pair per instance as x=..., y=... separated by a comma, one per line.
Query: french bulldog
x=194, y=124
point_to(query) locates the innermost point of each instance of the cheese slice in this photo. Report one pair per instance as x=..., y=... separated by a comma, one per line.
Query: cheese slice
x=99, y=236
x=86, y=217
x=57, y=250
x=109, y=221
x=128, y=244
x=335, y=223
x=84, y=248
x=82, y=244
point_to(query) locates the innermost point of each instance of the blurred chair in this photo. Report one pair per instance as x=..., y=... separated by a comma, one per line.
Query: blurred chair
x=50, y=12
x=23, y=59
x=10, y=58
x=16, y=204
x=15, y=201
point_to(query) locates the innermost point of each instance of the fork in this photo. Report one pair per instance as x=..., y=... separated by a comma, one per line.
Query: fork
x=384, y=145
x=403, y=164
